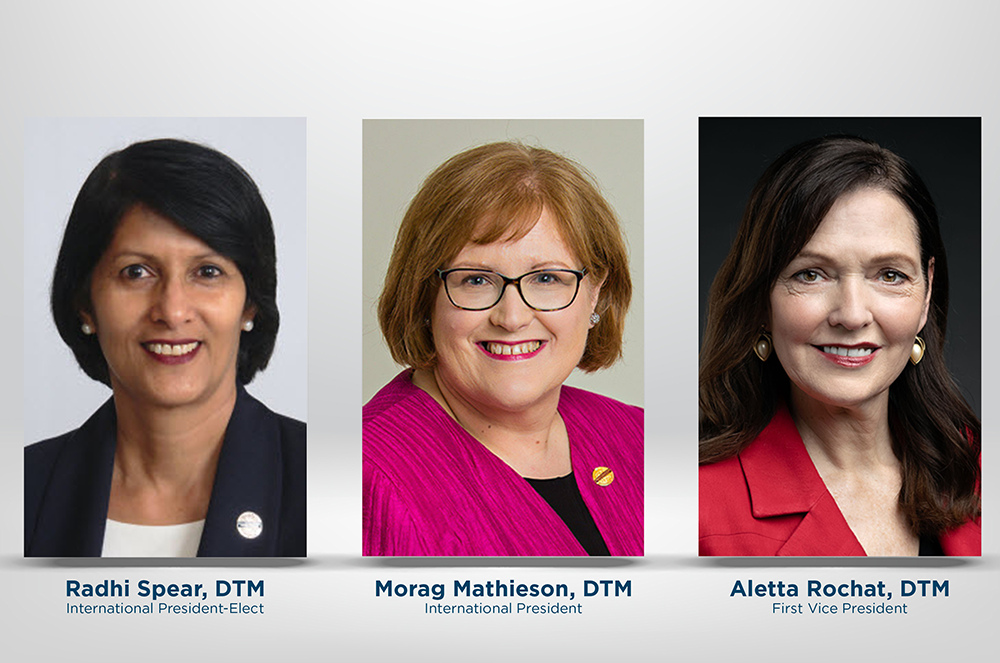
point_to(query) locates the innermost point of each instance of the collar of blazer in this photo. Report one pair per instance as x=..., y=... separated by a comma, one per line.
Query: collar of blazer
x=72, y=516
x=783, y=482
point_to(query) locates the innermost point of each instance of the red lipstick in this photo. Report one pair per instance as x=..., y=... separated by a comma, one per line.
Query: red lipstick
x=164, y=351
x=849, y=356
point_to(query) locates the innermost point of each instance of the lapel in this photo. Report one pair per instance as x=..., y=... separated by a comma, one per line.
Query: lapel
x=248, y=479
x=783, y=481
x=617, y=508
x=73, y=513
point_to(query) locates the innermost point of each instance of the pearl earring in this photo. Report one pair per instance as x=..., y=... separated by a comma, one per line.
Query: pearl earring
x=762, y=346
x=86, y=329
x=248, y=326
x=917, y=351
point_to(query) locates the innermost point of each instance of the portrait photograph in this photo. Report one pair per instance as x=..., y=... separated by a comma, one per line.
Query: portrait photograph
x=502, y=338
x=164, y=337
x=840, y=313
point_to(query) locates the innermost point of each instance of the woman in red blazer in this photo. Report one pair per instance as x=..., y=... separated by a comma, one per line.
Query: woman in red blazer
x=829, y=422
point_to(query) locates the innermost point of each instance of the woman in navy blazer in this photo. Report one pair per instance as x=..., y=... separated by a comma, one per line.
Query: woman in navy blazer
x=165, y=290
x=829, y=422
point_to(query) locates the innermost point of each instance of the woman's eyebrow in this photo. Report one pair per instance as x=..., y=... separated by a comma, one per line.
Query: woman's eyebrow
x=882, y=258
x=142, y=255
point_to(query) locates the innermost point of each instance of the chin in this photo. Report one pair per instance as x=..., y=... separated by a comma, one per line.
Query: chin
x=846, y=397
x=174, y=394
x=514, y=395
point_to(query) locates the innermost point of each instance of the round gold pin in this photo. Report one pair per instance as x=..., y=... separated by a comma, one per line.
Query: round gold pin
x=603, y=476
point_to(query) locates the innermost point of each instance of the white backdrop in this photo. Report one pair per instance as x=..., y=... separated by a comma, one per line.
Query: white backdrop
x=337, y=64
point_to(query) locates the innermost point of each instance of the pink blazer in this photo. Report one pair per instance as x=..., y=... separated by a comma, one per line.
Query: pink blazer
x=431, y=489
x=770, y=500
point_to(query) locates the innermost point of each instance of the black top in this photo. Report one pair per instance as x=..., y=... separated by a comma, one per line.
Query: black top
x=563, y=495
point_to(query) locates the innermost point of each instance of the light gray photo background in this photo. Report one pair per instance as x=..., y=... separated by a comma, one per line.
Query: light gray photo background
x=337, y=64
x=400, y=154
x=59, y=154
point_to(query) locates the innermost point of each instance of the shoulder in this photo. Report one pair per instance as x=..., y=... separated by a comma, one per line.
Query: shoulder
x=964, y=540
x=580, y=401
x=723, y=496
x=39, y=460
x=392, y=399
x=290, y=433
x=403, y=419
x=726, y=521
x=42, y=454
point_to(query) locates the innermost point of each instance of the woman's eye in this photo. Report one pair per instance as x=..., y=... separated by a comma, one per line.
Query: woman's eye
x=546, y=279
x=133, y=272
x=475, y=281
x=807, y=276
x=209, y=272
x=892, y=276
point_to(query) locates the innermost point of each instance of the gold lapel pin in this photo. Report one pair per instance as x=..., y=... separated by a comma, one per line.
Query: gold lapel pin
x=603, y=476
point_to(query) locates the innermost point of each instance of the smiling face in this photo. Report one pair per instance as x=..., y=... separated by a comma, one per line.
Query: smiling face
x=845, y=311
x=511, y=357
x=168, y=312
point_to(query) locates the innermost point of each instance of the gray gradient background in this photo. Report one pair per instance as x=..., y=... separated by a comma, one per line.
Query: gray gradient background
x=666, y=65
x=400, y=154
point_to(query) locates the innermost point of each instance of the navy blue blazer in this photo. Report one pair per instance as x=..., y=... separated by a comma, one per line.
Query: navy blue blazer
x=262, y=468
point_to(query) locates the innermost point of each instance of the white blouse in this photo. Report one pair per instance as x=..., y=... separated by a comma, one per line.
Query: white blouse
x=128, y=540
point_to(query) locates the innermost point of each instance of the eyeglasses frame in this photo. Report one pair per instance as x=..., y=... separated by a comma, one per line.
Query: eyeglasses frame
x=578, y=273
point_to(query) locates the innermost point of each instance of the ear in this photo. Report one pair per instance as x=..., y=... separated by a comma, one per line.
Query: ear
x=927, y=295
x=595, y=298
x=87, y=319
x=595, y=295
x=249, y=312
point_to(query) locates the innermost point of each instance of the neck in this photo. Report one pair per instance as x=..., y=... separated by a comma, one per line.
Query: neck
x=532, y=440
x=166, y=458
x=844, y=438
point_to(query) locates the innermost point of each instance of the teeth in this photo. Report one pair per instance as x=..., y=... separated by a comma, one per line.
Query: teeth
x=167, y=349
x=848, y=352
x=519, y=349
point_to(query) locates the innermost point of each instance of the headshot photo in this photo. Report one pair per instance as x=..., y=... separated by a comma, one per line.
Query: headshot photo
x=165, y=379
x=839, y=368
x=503, y=359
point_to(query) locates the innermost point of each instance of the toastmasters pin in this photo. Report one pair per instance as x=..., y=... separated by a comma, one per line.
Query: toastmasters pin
x=249, y=525
x=603, y=476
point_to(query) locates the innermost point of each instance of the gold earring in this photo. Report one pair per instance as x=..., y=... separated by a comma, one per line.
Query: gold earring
x=917, y=351
x=762, y=346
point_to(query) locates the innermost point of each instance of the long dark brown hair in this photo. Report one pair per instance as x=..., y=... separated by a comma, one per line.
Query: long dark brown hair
x=936, y=435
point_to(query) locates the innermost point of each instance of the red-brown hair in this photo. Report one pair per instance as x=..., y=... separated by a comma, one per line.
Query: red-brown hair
x=497, y=192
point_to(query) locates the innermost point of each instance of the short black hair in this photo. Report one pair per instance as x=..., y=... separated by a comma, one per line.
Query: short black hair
x=196, y=187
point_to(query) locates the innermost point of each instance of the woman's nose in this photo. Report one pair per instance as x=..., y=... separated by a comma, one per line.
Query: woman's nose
x=171, y=302
x=851, y=308
x=511, y=312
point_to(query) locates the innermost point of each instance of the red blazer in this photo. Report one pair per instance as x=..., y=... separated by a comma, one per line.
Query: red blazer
x=770, y=500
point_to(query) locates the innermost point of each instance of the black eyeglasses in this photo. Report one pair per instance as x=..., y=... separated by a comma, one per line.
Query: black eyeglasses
x=541, y=290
